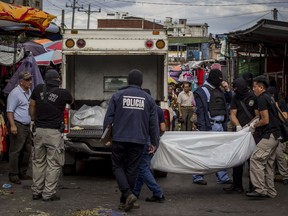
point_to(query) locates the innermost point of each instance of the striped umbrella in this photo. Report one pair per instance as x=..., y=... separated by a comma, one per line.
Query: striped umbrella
x=53, y=56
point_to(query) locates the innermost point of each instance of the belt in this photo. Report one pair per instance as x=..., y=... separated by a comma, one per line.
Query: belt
x=22, y=123
x=187, y=107
x=216, y=122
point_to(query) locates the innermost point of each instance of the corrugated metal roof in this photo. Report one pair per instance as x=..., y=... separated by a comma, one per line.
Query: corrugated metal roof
x=265, y=31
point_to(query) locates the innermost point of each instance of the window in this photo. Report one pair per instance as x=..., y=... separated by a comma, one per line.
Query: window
x=113, y=83
x=37, y=4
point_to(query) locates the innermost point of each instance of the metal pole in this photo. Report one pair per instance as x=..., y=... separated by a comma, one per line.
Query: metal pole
x=62, y=19
x=15, y=53
x=88, y=22
x=73, y=14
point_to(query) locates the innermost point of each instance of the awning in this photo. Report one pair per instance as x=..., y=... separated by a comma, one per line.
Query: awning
x=269, y=33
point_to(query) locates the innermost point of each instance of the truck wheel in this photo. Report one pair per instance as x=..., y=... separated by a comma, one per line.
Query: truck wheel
x=160, y=174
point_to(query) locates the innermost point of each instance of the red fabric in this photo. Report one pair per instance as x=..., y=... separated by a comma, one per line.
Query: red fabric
x=200, y=75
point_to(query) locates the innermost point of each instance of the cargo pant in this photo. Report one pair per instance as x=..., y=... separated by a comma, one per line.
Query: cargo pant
x=262, y=166
x=47, y=161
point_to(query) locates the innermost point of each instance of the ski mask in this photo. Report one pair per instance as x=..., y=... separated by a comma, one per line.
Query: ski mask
x=135, y=77
x=52, y=77
x=240, y=88
x=249, y=78
x=215, y=78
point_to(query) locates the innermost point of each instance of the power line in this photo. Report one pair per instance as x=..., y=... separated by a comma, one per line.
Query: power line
x=234, y=15
x=54, y=5
x=199, y=5
x=74, y=6
x=102, y=5
x=89, y=11
x=282, y=16
x=252, y=21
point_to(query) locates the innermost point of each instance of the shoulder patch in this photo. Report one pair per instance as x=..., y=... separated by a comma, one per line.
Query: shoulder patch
x=251, y=103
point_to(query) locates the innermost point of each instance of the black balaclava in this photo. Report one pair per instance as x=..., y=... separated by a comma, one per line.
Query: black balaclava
x=52, y=78
x=215, y=78
x=240, y=88
x=135, y=77
x=249, y=78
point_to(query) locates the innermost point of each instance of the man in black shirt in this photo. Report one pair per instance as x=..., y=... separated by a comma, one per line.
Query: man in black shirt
x=47, y=105
x=263, y=157
x=243, y=110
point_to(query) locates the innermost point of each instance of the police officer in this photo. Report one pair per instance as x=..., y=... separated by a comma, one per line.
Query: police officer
x=47, y=105
x=243, y=110
x=133, y=114
x=263, y=158
x=211, y=114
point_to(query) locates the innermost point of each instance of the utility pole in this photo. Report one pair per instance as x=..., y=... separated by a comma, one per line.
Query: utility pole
x=89, y=13
x=73, y=7
x=62, y=20
x=275, y=14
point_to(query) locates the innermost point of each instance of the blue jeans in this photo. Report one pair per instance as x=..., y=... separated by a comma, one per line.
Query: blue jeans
x=145, y=176
x=222, y=176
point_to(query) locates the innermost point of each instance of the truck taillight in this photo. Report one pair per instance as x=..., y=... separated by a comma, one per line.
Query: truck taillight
x=167, y=118
x=66, y=120
x=149, y=44
x=160, y=44
x=81, y=43
x=69, y=43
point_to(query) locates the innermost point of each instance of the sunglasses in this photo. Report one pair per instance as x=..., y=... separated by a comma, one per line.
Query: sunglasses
x=29, y=79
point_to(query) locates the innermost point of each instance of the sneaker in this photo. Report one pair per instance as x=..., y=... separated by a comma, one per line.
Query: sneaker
x=156, y=199
x=14, y=179
x=130, y=200
x=200, y=182
x=25, y=177
x=233, y=189
x=285, y=181
x=121, y=206
x=256, y=194
x=52, y=198
x=36, y=196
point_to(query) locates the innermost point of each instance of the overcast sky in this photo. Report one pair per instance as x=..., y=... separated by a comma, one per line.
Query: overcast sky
x=222, y=16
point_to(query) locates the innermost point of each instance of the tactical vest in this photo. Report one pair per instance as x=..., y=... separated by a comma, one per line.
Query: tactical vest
x=216, y=105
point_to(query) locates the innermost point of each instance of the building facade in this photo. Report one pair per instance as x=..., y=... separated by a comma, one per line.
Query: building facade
x=187, y=41
x=31, y=3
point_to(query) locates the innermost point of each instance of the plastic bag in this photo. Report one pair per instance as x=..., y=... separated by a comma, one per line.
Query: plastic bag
x=89, y=116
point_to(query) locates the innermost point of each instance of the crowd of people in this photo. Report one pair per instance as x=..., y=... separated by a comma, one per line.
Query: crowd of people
x=137, y=124
x=248, y=102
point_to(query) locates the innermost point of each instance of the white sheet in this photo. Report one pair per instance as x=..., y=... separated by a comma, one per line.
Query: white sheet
x=202, y=152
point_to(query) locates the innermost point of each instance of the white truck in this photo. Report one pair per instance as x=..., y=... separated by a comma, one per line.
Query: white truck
x=95, y=64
